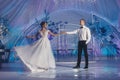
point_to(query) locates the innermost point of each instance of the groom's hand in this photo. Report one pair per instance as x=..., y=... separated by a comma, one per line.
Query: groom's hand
x=86, y=43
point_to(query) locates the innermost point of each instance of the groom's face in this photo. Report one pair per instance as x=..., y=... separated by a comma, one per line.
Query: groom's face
x=82, y=22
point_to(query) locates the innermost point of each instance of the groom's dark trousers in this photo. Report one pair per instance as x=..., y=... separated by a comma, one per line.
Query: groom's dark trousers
x=82, y=46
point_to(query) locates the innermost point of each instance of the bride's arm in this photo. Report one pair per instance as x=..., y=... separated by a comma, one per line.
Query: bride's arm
x=34, y=36
x=53, y=34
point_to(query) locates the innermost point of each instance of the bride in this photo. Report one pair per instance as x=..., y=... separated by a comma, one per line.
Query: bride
x=38, y=56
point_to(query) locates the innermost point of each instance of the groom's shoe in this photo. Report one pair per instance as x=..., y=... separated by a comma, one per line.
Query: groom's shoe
x=85, y=67
x=76, y=67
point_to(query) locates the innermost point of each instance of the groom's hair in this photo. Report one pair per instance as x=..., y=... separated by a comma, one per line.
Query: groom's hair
x=83, y=20
x=42, y=23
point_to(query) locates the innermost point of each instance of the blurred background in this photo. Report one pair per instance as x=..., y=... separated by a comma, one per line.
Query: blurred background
x=19, y=18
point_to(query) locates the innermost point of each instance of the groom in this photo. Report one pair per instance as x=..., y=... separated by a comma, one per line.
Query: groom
x=84, y=38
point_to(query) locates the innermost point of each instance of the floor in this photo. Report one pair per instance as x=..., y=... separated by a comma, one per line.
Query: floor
x=107, y=69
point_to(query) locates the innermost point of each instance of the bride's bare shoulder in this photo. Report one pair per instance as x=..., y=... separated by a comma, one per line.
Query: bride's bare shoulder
x=40, y=30
x=48, y=30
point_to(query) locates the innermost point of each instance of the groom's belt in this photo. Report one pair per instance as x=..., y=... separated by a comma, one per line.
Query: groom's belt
x=82, y=41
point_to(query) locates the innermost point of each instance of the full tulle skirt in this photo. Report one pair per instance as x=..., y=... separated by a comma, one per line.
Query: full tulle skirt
x=37, y=56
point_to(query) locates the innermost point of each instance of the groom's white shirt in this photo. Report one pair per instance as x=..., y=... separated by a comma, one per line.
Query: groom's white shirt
x=83, y=33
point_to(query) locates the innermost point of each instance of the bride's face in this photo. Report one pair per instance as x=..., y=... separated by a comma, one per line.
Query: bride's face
x=45, y=25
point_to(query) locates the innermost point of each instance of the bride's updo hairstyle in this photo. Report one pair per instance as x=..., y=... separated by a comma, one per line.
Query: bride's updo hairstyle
x=42, y=23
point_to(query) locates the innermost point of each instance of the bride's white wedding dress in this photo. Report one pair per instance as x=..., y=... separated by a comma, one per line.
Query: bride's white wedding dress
x=37, y=56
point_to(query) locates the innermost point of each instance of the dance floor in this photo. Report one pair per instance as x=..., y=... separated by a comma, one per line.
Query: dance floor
x=107, y=69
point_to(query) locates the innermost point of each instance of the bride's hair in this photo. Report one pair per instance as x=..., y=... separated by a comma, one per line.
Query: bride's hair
x=42, y=23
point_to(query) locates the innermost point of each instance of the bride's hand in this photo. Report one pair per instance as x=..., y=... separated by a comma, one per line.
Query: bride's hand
x=30, y=37
x=27, y=36
x=63, y=32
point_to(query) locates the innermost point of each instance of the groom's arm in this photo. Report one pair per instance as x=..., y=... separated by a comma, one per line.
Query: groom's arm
x=88, y=36
x=71, y=32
